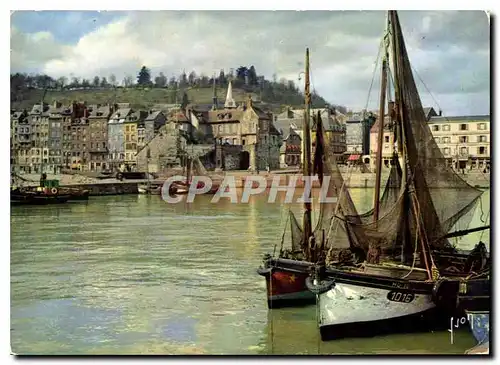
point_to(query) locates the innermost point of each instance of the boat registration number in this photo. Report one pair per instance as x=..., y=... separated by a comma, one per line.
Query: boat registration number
x=397, y=296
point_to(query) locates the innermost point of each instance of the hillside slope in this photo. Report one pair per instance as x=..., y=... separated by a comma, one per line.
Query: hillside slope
x=146, y=98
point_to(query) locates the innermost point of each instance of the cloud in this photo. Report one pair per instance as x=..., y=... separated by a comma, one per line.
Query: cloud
x=450, y=50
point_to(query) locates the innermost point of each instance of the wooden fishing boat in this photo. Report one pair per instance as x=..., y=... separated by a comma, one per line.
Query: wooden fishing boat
x=381, y=272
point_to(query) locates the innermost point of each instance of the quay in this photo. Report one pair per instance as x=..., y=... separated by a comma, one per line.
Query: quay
x=111, y=186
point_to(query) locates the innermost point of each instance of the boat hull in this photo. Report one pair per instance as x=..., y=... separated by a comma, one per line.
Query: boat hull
x=350, y=310
x=285, y=283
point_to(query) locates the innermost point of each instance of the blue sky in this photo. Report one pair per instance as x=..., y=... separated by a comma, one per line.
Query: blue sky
x=66, y=26
x=449, y=49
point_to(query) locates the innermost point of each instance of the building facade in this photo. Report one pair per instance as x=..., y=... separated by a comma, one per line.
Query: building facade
x=463, y=140
x=116, y=137
x=98, y=128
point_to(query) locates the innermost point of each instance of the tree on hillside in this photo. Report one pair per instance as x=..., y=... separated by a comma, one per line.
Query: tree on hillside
x=112, y=80
x=185, y=100
x=183, y=79
x=62, y=81
x=192, y=78
x=144, y=77
x=104, y=82
x=160, y=80
x=204, y=81
x=222, y=78
x=252, y=76
x=128, y=81
x=172, y=83
x=96, y=82
x=85, y=83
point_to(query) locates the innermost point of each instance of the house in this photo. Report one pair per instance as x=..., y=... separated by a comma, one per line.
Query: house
x=290, y=150
x=130, y=133
x=39, y=127
x=20, y=141
x=116, y=136
x=98, y=128
x=464, y=140
x=56, y=122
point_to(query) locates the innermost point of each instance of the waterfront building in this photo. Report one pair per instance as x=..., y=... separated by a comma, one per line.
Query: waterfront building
x=20, y=141
x=116, y=137
x=463, y=140
x=98, y=127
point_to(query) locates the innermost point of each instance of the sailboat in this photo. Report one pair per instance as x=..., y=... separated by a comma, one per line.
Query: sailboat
x=286, y=274
x=393, y=268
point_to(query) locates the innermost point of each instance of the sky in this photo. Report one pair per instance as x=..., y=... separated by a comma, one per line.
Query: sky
x=449, y=50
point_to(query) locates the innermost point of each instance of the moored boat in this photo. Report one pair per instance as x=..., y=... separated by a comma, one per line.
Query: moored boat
x=395, y=269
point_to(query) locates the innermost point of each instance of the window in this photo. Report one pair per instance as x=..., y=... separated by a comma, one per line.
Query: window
x=482, y=150
x=481, y=139
x=464, y=150
x=435, y=128
x=445, y=140
x=436, y=139
x=462, y=139
x=386, y=139
x=446, y=151
x=481, y=126
x=463, y=127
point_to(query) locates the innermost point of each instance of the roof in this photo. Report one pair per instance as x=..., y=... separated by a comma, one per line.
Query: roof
x=121, y=113
x=36, y=109
x=459, y=118
x=153, y=115
x=102, y=111
x=374, y=128
x=17, y=115
x=260, y=113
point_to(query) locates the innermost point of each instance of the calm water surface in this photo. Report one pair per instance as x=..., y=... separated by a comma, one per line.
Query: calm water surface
x=134, y=275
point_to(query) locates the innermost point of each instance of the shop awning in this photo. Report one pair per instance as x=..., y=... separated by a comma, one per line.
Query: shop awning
x=353, y=157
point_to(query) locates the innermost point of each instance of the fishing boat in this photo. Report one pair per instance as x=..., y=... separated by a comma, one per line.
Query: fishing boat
x=286, y=272
x=387, y=271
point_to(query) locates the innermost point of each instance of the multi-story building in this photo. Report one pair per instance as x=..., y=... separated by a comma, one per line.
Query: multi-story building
x=55, y=136
x=20, y=141
x=39, y=153
x=80, y=155
x=153, y=121
x=333, y=123
x=358, y=127
x=98, y=128
x=130, y=133
x=290, y=150
x=116, y=137
x=463, y=140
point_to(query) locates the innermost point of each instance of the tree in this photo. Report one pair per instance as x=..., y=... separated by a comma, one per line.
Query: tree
x=96, y=82
x=172, y=83
x=192, y=78
x=185, y=100
x=252, y=76
x=104, y=82
x=128, y=81
x=112, y=80
x=62, y=81
x=85, y=83
x=161, y=80
x=75, y=82
x=241, y=72
x=204, y=81
x=144, y=77
x=222, y=78
x=183, y=79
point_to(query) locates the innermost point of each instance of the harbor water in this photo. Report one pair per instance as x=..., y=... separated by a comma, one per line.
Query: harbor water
x=134, y=275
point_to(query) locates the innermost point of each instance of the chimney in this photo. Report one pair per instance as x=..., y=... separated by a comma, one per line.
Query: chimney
x=150, y=112
x=440, y=112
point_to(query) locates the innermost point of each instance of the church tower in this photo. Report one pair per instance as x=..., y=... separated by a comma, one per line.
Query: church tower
x=230, y=103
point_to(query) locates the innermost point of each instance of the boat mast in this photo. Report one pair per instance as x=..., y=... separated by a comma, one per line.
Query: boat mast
x=380, y=136
x=41, y=115
x=306, y=163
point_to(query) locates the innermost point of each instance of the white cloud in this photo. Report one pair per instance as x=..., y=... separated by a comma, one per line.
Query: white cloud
x=343, y=47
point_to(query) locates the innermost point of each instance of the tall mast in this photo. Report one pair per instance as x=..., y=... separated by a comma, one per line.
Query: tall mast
x=306, y=163
x=380, y=139
x=41, y=115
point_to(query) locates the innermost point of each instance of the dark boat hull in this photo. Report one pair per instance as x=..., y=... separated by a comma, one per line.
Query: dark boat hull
x=38, y=199
x=286, y=283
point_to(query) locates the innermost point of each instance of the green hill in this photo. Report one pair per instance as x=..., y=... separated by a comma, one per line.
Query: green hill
x=138, y=98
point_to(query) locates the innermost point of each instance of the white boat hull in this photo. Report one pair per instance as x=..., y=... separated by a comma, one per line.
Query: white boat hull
x=354, y=310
